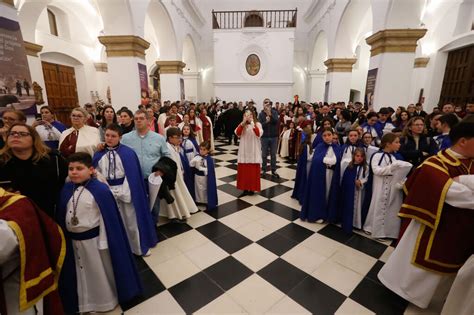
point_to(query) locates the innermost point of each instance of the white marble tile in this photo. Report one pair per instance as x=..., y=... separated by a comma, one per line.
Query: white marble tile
x=315, y=227
x=206, y=255
x=386, y=254
x=199, y=219
x=235, y=220
x=224, y=171
x=163, y=251
x=255, y=256
x=354, y=260
x=254, y=212
x=175, y=270
x=304, y=258
x=255, y=294
x=273, y=221
x=264, y=183
x=289, y=183
x=254, y=199
x=189, y=240
x=286, y=173
x=337, y=277
x=162, y=303
x=286, y=200
x=287, y=306
x=255, y=230
x=350, y=307
x=321, y=245
x=224, y=304
x=223, y=197
x=226, y=157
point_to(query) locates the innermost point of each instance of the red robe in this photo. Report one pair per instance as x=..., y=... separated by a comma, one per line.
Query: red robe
x=42, y=249
x=206, y=128
x=445, y=240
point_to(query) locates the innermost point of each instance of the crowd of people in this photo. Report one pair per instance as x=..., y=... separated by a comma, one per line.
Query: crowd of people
x=108, y=179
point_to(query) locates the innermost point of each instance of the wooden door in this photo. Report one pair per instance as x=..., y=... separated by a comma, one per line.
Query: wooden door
x=61, y=89
x=458, y=82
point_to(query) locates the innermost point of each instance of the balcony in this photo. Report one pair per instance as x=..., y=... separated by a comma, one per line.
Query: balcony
x=254, y=18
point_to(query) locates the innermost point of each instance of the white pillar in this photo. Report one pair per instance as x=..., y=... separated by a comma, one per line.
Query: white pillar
x=191, y=85
x=171, y=74
x=339, y=74
x=124, y=53
x=317, y=81
x=102, y=78
x=393, y=54
x=418, y=79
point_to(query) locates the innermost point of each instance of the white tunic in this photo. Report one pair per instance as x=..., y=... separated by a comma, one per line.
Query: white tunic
x=189, y=149
x=359, y=197
x=285, y=138
x=87, y=140
x=250, y=147
x=95, y=278
x=405, y=279
x=329, y=159
x=382, y=220
x=200, y=182
x=10, y=267
x=460, y=299
x=123, y=197
x=48, y=133
x=183, y=204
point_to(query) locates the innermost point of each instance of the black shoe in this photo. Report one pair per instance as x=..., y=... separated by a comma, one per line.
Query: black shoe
x=251, y=193
x=245, y=193
x=274, y=174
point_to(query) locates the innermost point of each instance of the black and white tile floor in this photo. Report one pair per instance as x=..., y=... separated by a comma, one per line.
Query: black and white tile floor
x=254, y=255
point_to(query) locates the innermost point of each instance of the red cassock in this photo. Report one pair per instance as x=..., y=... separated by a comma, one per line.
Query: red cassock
x=206, y=128
x=445, y=240
x=42, y=249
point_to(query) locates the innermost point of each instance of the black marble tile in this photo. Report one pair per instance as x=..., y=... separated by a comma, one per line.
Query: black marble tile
x=214, y=230
x=228, y=272
x=277, y=243
x=366, y=245
x=292, y=166
x=280, y=210
x=140, y=263
x=229, y=179
x=151, y=287
x=172, y=229
x=268, y=176
x=232, y=166
x=229, y=208
x=378, y=298
x=195, y=292
x=372, y=274
x=230, y=189
x=317, y=297
x=335, y=233
x=233, y=161
x=295, y=232
x=282, y=275
x=232, y=242
x=274, y=191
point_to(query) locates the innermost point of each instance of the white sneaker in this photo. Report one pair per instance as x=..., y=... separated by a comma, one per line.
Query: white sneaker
x=148, y=253
x=320, y=221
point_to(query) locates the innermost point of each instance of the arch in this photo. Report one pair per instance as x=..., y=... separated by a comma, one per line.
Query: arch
x=60, y=58
x=189, y=55
x=404, y=14
x=253, y=19
x=164, y=31
x=320, y=52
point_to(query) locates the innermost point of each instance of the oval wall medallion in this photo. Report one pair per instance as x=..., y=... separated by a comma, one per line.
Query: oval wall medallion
x=252, y=64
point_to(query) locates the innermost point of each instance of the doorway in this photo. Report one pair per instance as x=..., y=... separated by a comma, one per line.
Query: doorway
x=61, y=89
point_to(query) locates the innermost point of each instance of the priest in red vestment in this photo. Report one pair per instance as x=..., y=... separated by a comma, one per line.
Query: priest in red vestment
x=32, y=250
x=439, y=237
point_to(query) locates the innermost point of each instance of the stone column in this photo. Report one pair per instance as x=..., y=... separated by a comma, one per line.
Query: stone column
x=317, y=81
x=124, y=53
x=191, y=85
x=171, y=73
x=102, y=76
x=393, y=54
x=339, y=75
x=418, y=79
x=36, y=68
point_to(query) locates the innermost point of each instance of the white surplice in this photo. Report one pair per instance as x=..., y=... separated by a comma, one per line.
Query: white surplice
x=284, y=147
x=382, y=219
x=359, y=196
x=123, y=197
x=183, y=204
x=187, y=145
x=460, y=299
x=331, y=160
x=200, y=181
x=96, y=289
x=400, y=275
x=87, y=140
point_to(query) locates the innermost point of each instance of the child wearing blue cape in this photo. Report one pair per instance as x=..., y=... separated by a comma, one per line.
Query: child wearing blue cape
x=99, y=269
x=190, y=149
x=303, y=166
x=205, y=177
x=323, y=180
x=348, y=148
x=119, y=164
x=354, y=178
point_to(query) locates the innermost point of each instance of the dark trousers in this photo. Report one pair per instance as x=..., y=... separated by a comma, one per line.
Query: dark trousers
x=269, y=144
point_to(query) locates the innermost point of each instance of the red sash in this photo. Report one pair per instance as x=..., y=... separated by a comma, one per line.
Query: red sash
x=42, y=249
x=445, y=240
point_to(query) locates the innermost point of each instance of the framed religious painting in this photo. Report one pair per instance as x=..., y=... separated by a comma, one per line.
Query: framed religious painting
x=252, y=64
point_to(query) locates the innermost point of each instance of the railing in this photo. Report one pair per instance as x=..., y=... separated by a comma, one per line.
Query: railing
x=254, y=18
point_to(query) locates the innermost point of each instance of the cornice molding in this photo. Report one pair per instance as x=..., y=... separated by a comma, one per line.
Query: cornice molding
x=8, y=2
x=170, y=66
x=394, y=41
x=124, y=45
x=421, y=62
x=101, y=67
x=32, y=49
x=340, y=64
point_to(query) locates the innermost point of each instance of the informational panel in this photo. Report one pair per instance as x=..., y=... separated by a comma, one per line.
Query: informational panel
x=370, y=87
x=145, y=96
x=16, y=88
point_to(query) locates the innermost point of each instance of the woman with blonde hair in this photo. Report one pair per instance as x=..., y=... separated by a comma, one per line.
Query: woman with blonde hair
x=28, y=166
x=80, y=137
x=416, y=146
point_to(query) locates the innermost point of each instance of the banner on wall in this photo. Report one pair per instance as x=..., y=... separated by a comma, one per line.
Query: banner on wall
x=181, y=84
x=370, y=87
x=16, y=88
x=143, y=76
x=326, y=91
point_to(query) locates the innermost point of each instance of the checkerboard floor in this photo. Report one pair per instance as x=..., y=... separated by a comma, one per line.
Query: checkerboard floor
x=254, y=255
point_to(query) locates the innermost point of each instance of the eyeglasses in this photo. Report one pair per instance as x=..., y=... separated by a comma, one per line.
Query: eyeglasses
x=19, y=134
x=77, y=116
x=9, y=119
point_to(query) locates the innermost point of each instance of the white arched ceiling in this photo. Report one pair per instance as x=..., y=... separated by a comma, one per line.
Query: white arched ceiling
x=189, y=55
x=320, y=52
x=165, y=33
x=356, y=14
x=117, y=17
x=405, y=14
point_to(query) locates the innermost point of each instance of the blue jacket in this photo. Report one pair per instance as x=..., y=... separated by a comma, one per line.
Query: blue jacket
x=270, y=129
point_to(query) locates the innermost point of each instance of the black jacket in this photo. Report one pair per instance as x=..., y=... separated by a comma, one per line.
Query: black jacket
x=169, y=169
x=415, y=156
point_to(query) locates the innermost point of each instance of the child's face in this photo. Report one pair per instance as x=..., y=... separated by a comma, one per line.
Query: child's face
x=203, y=151
x=174, y=140
x=359, y=158
x=367, y=139
x=327, y=137
x=79, y=173
x=186, y=131
x=394, y=146
x=112, y=138
x=353, y=137
x=173, y=122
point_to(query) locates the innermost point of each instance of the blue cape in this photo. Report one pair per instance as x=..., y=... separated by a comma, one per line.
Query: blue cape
x=188, y=175
x=301, y=177
x=315, y=206
x=347, y=202
x=211, y=184
x=318, y=139
x=445, y=142
x=58, y=126
x=146, y=228
x=127, y=281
